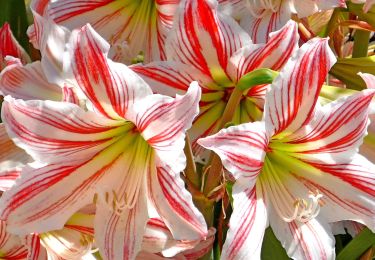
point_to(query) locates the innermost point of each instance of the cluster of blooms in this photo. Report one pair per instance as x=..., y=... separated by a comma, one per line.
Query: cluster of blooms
x=96, y=135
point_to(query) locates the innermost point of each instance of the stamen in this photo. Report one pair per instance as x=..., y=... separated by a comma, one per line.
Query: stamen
x=305, y=211
x=114, y=203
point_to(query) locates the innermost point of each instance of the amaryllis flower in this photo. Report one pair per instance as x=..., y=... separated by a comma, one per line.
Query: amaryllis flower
x=10, y=46
x=126, y=155
x=265, y=16
x=298, y=169
x=208, y=46
x=131, y=27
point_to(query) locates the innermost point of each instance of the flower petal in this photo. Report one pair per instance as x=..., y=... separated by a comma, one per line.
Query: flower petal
x=10, y=47
x=170, y=77
x=261, y=22
x=52, y=41
x=311, y=240
x=119, y=236
x=10, y=155
x=337, y=129
x=202, y=248
x=369, y=79
x=12, y=246
x=352, y=197
x=247, y=223
x=8, y=177
x=35, y=249
x=28, y=82
x=234, y=8
x=66, y=243
x=274, y=54
x=163, y=122
x=293, y=94
x=175, y=205
x=204, y=38
x=114, y=87
x=158, y=239
x=55, y=131
x=241, y=148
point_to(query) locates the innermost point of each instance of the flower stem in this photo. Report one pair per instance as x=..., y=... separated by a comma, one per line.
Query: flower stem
x=361, y=41
x=215, y=173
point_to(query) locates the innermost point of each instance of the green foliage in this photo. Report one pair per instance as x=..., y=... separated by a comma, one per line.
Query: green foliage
x=347, y=69
x=272, y=248
x=363, y=241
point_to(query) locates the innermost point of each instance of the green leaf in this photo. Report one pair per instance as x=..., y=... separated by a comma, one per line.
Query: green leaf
x=256, y=77
x=14, y=12
x=347, y=69
x=357, y=9
x=363, y=241
x=272, y=248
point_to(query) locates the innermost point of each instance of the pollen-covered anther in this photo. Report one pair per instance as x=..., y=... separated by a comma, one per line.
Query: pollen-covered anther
x=304, y=210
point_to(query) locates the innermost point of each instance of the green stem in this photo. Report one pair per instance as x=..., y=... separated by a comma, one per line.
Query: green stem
x=214, y=175
x=332, y=23
x=361, y=41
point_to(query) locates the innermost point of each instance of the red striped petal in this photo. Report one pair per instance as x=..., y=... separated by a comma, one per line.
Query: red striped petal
x=55, y=131
x=158, y=239
x=114, y=87
x=348, y=188
x=171, y=78
x=337, y=129
x=290, y=103
x=241, y=148
x=11, y=246
x=311, y=240
x=119, y=236
x=28, y=82
x=204, y=38
x=259, y=23
x=35, y=249
x=10, y=155
x=175, y=205
x=247, y=223
x=163, y=122
x=274, y=54
x=8, y=178
x=10, y=47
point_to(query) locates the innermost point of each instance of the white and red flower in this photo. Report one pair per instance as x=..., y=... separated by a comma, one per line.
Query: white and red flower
x=298, y=169
x=208, y=46
x=265, y=16
x=131, y=27
x=127, y=154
